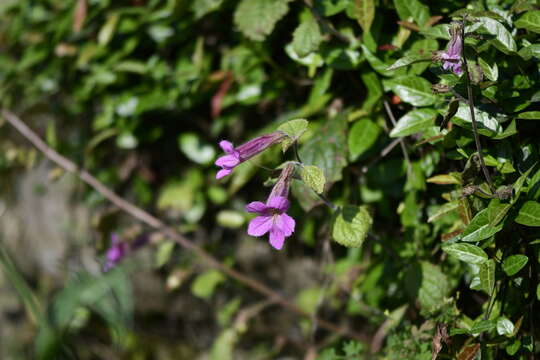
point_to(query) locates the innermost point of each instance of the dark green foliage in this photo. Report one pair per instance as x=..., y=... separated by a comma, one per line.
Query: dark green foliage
x=140, y=92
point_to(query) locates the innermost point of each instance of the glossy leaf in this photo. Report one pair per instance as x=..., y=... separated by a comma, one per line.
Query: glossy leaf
x=529, y=214
x=467, y=253
x=514, y=263
x=414, y=121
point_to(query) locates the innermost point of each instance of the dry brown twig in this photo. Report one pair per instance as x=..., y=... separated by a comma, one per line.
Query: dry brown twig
x=155, y=223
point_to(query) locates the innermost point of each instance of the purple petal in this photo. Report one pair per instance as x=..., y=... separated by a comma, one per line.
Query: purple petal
x=227, y=146
x=227, y=161
x=278, y=202
x=277, y=238
x=256, y=207
x=260, y=225
x=285, y=223
x=222, y=173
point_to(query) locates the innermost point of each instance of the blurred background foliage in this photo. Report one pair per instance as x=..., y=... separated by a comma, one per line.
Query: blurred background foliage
x=139, y=92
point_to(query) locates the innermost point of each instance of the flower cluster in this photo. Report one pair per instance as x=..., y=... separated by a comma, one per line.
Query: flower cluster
x=272, y=218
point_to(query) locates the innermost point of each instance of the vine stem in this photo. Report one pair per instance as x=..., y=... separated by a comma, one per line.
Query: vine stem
x=470, y=98
x=154, y=222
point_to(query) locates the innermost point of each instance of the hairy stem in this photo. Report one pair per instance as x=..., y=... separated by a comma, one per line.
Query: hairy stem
x=470, y=98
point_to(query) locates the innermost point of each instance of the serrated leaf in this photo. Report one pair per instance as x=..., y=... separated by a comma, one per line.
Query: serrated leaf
x=434, y=287
x=514, y=263
x=529, y=214
x=307, y=36
x=487, y=276
x=412, y=89
x=364, y=12
x=530, y=21
x=505, y=327
x=467, y=253
x=294, y=130
x=414, y=121
x=362, y=136
x=351, y=226
x=327, y=149
x=313, y=176
x=256, y=18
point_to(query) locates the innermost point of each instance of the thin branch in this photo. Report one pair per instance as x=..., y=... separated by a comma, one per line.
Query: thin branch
x=401, y=142
x=470, y=97
x=154, y=222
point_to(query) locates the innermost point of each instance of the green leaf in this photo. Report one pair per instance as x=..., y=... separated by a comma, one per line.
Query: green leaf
x=490, y=71
x=307, y=36
x=504, y=41
x=313, y=176
x=483, y=326
x=327, y=149
x=486, y=223
x=195, y=150
x=412, y=89
x=487, y=276
x=351, y=226
x=529, y=115
x=408, y=60
x=468, y=253
x=362, y=135
x=443, y=210
x=530, y=21
x=487, y=124
x=364, y=12
x=230, y=219
x=204, y=284
x=203, y=7
x=377, y=64
x=527, y=52
x=529, y=214
x=256, y=18
x=294, y=130
x=434, y=287
x=164, y=252
x=414, y=9
x=514, y=263
x=505, y=327
x=413, y=122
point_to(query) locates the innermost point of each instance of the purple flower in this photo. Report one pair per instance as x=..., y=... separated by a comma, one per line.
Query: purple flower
x=244, y=152
x=272, y=219
x=452, y=56
x=116, y=252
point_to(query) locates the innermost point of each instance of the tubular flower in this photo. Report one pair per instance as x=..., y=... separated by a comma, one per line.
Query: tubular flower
x=235, y=156
x=452, y=56
x=272, y=219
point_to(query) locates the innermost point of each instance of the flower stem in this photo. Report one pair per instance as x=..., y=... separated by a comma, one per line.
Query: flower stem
x=470, y=97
